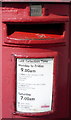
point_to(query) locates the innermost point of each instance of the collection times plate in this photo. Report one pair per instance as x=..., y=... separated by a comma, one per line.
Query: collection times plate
x=34, y=85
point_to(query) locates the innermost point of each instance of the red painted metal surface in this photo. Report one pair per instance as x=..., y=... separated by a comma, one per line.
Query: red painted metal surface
x=69, y=71
x=0, y=62
x=59, y=48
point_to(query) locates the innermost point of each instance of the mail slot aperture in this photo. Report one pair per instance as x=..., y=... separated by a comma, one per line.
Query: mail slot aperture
x=35, y=33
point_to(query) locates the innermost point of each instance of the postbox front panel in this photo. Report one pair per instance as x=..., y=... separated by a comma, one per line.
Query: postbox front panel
x=35, y=61
x=59, y=93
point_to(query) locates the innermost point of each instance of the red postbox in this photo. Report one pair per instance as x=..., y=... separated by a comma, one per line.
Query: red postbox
x=36, y=60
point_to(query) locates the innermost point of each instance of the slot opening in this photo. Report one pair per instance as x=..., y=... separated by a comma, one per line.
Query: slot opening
x=53, y=28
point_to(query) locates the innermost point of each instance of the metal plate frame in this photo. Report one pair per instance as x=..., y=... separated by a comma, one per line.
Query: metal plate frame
x=47, y=55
